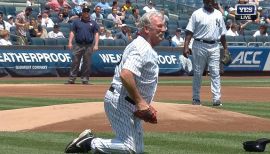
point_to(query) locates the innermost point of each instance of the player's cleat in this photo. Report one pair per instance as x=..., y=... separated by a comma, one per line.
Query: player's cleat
x=81, y=144
x=70, y=82
x=85, y=83
x=196, y=102
x=217, y=103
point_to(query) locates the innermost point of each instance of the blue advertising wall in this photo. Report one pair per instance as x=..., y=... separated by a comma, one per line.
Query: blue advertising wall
x=249, y=59
x=57, y=62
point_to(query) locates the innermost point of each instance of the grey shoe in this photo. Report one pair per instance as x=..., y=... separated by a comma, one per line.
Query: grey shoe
x=196, y=102
x=81, y=144
x=217, y=103
x=70, y=82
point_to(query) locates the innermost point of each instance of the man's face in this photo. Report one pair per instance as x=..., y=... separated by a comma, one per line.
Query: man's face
x=97, y=10
x=85, y=15
x=209, y=4
x=157, y=30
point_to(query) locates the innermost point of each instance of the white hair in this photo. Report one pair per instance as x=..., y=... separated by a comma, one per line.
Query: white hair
x=146, y=19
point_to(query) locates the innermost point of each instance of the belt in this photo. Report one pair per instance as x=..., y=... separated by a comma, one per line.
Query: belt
x=204, y=41
x=127, y=98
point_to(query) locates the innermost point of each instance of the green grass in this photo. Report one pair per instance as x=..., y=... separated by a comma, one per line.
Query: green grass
x=251, y=82
x=224, y=82
x=7, y=103
x=155, y=143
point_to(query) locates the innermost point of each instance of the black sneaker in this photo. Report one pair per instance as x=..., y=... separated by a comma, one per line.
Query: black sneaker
x=81, y=144
x=196, y=102
x=85, y=83
x=217, y=103
x=70, y=82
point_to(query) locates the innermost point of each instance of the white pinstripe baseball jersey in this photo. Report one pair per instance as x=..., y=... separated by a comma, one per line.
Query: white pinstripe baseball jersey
x=141, y=59
x=206, y=26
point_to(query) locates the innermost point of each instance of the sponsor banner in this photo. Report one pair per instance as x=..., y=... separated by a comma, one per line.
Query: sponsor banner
x=58, y=62
x=34, y=62
x=249, y=59
x=104, y=62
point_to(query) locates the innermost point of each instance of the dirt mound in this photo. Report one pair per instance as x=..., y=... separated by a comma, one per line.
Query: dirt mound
x=171, y=118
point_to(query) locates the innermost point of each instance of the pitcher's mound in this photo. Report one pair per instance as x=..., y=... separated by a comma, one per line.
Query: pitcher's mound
x=171, y=118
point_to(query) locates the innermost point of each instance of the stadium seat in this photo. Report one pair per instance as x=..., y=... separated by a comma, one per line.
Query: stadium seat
x=119, y=42
x=65, y=25
x=109, y=24
x=230, y=38
x=50, y=41
x=248, y=32
x=2, y=9
x=239, y=38
x=250, y=38
x=266, y=44
x=165, y=43
x=36, y=41
x=255, y=44
x=108, y=42
x=182, y=23
x=261, y=39
x=10, y=10
x=62, y=41
x=100, y=42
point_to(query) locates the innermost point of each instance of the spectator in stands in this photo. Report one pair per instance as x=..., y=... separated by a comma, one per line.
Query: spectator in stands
x=78, y=6
x=261, y=32
x=102, y=32
x=115, y=17
x=127, y=6
x=231, y=14
x=109, y=35
x=11, y=21
x=97, y=16
x=67, y=14
x=4, y=25
x=256, y=2
x=4, y=37
x=115, y=4
x=103, y=5
x=46, y=21
x=149, y=7
x=162, y=11
x=56, y=33
x=232, y=31
x=177, y=40
x=29, y=3
x=135, y=16
x=36, y=30
x=124, y=34
x=22, y=23
x=260, y=18
x=57, y=5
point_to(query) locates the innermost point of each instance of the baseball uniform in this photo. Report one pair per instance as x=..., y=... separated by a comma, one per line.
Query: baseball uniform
x=207, y=29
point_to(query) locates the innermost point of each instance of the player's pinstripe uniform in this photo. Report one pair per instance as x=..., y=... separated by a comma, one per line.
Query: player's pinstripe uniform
x=141, y=59
x=206, y=28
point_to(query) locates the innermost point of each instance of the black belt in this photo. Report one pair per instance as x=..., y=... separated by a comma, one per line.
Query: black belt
x=204, y=41
x=127, y=98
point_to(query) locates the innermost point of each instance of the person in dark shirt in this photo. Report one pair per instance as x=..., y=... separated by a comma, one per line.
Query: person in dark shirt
x=85, y=33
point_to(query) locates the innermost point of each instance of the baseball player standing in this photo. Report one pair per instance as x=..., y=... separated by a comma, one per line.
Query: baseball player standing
x=133, y=87
x=206, y=26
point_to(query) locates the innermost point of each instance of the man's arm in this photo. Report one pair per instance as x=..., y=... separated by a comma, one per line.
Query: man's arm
x=223, y=42
x=71, y=36
x=128, y=80
x=96, y=41
x=188, y=37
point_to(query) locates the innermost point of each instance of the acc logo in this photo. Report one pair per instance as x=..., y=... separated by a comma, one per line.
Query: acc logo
x=247, y=58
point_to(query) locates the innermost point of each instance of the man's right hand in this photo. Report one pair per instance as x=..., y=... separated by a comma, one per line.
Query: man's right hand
x=186, y=52
x=69, y=46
